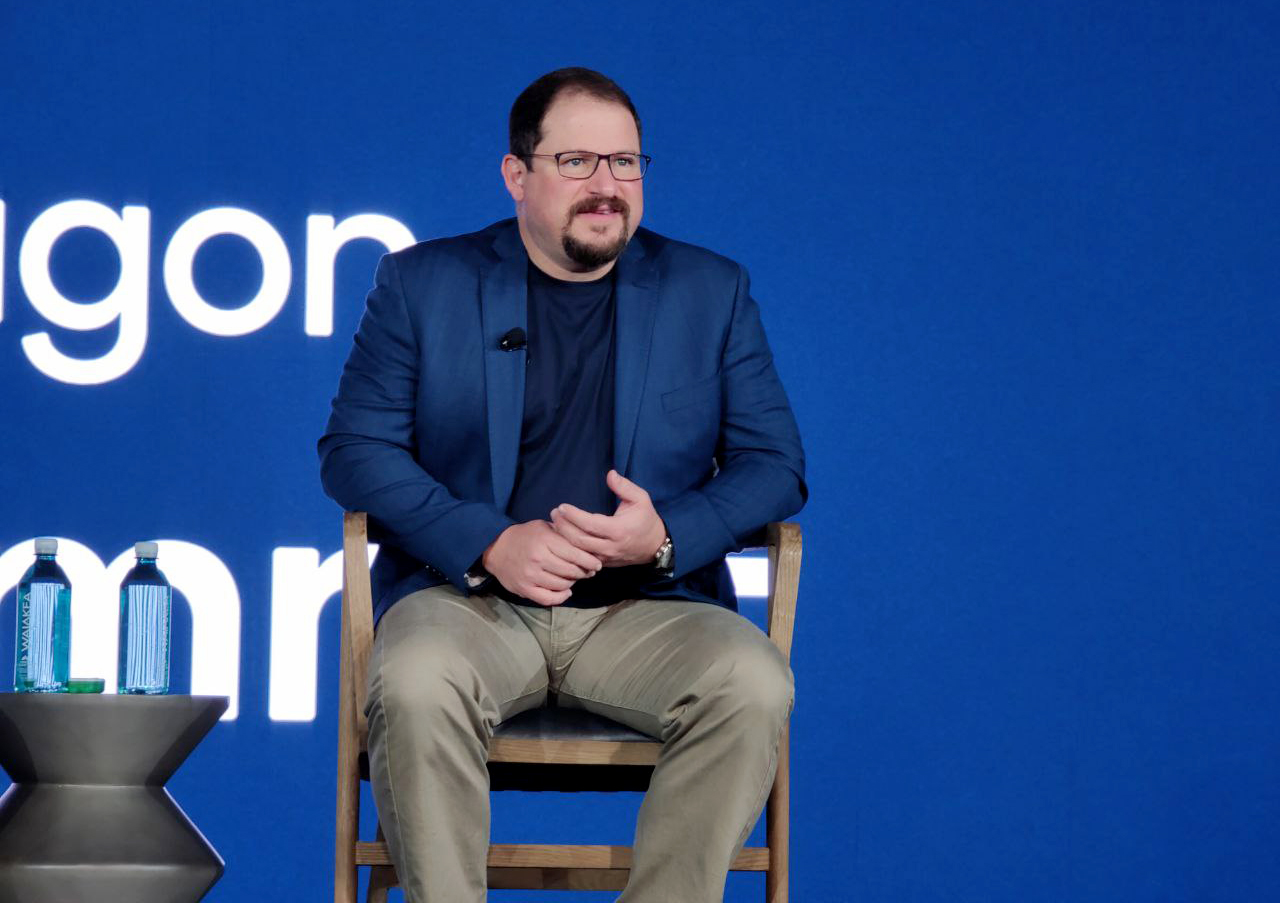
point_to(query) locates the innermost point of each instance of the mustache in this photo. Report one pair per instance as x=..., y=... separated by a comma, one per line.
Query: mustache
x=590, y=205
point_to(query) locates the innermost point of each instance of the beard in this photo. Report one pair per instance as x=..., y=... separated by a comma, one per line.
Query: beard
x=593, y=256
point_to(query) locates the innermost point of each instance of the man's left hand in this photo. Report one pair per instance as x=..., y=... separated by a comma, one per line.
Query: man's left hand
x=631, y=535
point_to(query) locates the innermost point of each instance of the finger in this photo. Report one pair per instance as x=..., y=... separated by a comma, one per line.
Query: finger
x=564, y=568
x=551, y=588
x=624, y=488
x=561, y=557
x=580, y=553
x=545, y=596
x=599, y=525
x=549, y=580
x=593, y=545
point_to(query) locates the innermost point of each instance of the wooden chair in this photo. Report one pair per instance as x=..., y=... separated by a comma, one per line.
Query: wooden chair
x=545, y=749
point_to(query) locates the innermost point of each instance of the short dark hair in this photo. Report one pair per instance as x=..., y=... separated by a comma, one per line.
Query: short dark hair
x=531, y=106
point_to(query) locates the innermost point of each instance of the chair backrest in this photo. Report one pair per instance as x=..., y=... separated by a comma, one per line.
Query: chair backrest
x=357, y=617
x=783, y=541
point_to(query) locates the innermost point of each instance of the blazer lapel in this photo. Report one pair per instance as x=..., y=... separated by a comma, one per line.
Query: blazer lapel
x=504, y=306
x=637, y=302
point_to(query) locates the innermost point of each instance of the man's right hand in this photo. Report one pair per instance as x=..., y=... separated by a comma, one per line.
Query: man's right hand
x=534, y=561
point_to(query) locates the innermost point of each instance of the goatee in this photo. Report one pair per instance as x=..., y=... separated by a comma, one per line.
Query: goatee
x=592, y=256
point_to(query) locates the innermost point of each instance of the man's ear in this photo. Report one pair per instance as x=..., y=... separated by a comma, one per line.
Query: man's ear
x=513, y=176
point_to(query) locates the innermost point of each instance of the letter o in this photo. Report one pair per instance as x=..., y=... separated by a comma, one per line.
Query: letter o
x=179, y=280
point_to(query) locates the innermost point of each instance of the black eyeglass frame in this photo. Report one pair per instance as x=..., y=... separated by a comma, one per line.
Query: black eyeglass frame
x=644, y=167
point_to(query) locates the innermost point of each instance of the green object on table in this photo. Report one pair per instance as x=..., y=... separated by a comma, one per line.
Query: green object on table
x=85, y=685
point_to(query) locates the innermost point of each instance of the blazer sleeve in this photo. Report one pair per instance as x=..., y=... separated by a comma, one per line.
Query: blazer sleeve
x=367, y=460
x=760, y=475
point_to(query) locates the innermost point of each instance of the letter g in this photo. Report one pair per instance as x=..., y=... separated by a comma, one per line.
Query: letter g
x=127, y=302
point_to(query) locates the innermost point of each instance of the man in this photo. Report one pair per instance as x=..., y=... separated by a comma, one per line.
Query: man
x=559, y=426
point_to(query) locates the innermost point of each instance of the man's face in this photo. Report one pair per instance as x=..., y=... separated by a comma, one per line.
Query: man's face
x=578, y=226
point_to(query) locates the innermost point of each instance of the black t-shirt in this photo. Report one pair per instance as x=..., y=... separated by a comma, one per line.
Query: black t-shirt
x=566, y=438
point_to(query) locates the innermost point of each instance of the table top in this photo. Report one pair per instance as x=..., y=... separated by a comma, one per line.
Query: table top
x=118, y=698
x=91, y=738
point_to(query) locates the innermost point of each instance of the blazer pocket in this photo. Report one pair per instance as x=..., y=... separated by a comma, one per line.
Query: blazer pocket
x=704, y=391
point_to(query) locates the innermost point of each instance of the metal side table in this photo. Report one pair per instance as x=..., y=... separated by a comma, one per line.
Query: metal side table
x=88, y=818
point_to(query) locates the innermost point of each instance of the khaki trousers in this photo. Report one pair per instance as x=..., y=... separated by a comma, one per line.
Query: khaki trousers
x=446, y=669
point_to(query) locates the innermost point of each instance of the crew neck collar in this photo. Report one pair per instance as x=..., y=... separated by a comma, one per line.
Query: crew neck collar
x=538, y=273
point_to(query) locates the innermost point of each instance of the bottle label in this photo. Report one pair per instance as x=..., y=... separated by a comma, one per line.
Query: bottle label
x=38, y=610
x=144, y=659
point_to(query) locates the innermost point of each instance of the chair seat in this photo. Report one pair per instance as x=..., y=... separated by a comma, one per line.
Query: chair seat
x=554, y=723
x=561, y=724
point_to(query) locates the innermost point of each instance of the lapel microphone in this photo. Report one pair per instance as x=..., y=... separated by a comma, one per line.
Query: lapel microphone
x=513, y=340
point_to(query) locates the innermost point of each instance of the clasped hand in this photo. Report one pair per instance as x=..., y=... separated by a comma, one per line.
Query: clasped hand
x=541, y=560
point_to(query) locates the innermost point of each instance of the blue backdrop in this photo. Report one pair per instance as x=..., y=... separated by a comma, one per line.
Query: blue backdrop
x=1019, y=266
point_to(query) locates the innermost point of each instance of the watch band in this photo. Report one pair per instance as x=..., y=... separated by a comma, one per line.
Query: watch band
x=663, y=558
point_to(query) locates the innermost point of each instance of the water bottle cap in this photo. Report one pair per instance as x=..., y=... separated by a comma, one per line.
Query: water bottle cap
x=146, y=549
x=46, y=545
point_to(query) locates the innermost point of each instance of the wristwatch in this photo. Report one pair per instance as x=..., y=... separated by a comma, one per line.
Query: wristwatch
x=665, y=556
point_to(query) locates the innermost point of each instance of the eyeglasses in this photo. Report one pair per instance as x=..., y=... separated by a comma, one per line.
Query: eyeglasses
x=583, y=164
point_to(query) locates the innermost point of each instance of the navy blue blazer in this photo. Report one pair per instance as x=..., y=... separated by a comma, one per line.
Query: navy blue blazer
x=425, y=429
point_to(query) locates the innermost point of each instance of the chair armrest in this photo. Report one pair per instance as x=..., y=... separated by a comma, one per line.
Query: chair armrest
x=784, y=543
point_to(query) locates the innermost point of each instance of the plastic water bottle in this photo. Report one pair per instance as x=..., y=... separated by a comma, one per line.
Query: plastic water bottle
x=146, y=606
x=42, y=653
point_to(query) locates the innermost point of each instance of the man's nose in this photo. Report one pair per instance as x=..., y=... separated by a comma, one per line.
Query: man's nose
x=602, y=181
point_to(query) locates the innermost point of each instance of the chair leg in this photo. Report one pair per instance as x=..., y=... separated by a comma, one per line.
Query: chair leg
x=381, y=878
x=345, y=882
x=778, y=824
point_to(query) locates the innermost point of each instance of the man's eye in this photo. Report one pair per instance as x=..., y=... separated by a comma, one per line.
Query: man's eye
x=625, y=162
x=572, y=161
